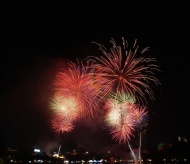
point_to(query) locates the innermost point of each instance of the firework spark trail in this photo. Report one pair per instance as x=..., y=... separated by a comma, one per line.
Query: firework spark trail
x=122, y=70
x=78, y=82
x=140, y=116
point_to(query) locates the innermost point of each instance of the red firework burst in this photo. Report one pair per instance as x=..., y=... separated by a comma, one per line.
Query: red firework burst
x=139, y=114
x=121, y=70
x=124, y=130
x=78, y=82
x=61, y=124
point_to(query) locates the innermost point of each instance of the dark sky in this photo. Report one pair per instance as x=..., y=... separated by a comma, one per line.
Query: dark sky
x=38, y=37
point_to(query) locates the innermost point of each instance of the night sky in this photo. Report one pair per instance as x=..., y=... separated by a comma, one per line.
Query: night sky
x=36, y=40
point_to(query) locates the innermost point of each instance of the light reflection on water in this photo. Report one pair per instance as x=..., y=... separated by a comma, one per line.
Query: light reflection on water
x=114, y=161
x=153, y=162
x=144, y=162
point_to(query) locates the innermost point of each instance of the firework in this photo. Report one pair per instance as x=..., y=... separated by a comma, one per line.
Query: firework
x=61, y=124
x=140, y=115
x=124, y=130
x=123, y=116
x=66, y=106
x=118, y=118
x=121, y=70
x=78, y=82
x=113, y=116
x=117, y=107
